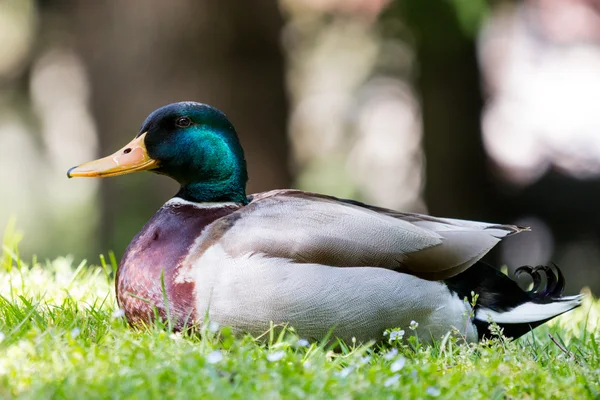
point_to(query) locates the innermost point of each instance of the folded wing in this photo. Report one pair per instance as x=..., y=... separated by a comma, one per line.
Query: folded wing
x=320, y=229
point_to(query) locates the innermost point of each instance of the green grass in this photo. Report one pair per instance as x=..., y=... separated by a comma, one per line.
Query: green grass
x=61, y=336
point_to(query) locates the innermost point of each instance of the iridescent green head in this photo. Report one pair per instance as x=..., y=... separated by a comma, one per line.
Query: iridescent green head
x=193, y=143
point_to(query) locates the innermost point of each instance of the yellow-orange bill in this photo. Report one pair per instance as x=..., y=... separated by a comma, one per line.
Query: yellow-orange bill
x=131, y=158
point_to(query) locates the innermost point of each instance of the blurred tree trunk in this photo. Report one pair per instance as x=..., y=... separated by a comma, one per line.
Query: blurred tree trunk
x=451, y=98
x=144, y=54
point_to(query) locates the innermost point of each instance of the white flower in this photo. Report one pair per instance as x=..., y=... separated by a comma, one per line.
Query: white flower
x=306, y=364
x=345, y=372
x=365, y=359
x=396, y=335
x=214, y=357
x=398, y=364
x=302, y=343
x=2, y=336
x=390, y=381
x=75, y=332
x=391, y=354
x=213, y=326
x=276, y=356
x=433, y=391
x=413, y=325
x=118, y=313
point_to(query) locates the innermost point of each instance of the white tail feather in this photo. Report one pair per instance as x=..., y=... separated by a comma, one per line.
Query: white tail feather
x=530, y=311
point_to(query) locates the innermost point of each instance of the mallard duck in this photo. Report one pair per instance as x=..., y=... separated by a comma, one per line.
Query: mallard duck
x=316, y=262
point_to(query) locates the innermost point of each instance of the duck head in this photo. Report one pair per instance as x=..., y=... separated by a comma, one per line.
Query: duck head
x=193, y=143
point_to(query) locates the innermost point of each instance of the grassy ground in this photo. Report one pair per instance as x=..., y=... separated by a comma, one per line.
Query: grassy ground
x=61, y=336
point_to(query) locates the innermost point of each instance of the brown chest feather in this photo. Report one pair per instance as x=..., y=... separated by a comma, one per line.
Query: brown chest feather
x=159, y=248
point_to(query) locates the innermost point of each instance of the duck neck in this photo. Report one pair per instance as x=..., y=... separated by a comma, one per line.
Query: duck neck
x=213, y=192
x=216, y=172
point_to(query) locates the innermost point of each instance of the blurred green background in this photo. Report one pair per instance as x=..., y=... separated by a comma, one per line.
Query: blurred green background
x=466, y=108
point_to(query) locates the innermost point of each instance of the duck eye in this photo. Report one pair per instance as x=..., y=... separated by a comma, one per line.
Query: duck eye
x=183, y=122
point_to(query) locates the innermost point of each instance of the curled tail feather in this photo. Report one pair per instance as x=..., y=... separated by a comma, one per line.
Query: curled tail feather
x=502, y=301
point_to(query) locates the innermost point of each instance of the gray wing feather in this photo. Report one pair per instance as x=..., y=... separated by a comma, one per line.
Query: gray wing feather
x=320, y=229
